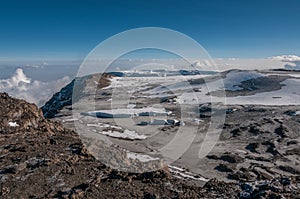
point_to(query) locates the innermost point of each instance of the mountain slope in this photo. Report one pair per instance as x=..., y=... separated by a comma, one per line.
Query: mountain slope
x=41, y=159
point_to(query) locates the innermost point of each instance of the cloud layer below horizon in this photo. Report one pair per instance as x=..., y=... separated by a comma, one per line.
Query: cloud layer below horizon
x=34, y=91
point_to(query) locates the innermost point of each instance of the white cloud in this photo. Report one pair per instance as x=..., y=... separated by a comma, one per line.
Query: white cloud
x=286, y=58
x=18, y=78
x=21, y=86
x=201, y=63
x=292, y=62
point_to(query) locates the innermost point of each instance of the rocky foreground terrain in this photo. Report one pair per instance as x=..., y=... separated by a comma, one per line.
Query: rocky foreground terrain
x=257, y=155
x=42, y=159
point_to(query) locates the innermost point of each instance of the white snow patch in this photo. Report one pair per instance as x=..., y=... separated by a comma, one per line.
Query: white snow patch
x=182, y=173
x=182, y=89
x=287, y=95
x=197, y=121
x=127, y=134
x=70, y=120
x=102, y=125
x=178, y=101
x=140, y=157
x=131, y=106
x=13, y=124
x=92, y=125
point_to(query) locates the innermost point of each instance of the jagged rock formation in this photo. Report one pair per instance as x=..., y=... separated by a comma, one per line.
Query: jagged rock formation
x=58, y=101
x=67, y=95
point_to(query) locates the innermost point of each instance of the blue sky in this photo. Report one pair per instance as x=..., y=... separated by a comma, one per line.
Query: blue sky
x=69, y=29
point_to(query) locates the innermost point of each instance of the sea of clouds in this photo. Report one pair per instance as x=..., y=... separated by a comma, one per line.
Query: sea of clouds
x=292, y=62
x=34, y=91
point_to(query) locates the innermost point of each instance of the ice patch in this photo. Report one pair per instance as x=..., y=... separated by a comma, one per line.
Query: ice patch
x=130, y=112
x=131, y=106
